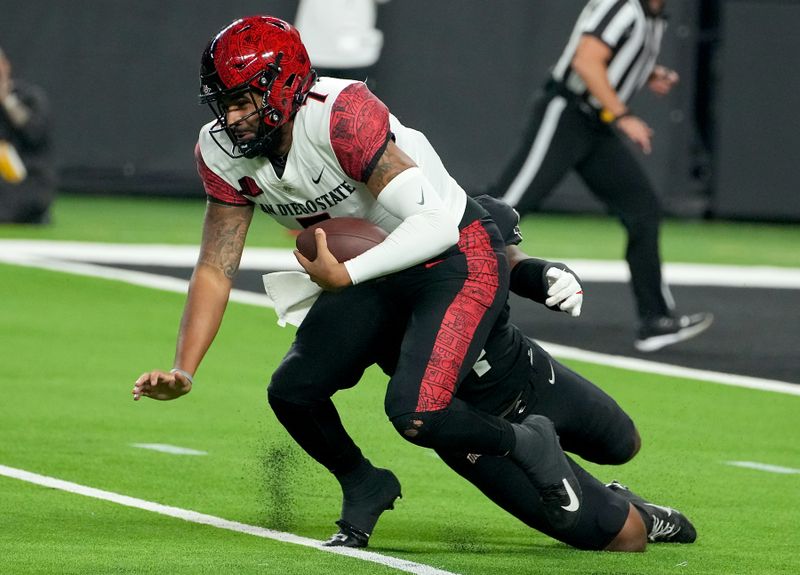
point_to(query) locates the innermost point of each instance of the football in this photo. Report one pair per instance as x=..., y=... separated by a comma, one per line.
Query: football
x=347, y=238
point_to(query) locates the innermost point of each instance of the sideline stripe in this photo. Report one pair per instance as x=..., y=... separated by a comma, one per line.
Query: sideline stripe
x=220, y=523
x=764, y=467
x=270, y=259
x=250, y=298
x=171, y=449
x=539, y=148
x=649, y=366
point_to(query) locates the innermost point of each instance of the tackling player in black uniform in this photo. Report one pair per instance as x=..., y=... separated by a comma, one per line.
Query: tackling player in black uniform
x=516, y=379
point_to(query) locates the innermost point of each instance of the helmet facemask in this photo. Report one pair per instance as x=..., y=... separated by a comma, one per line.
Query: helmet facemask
x=261, y=59
x=269, y=118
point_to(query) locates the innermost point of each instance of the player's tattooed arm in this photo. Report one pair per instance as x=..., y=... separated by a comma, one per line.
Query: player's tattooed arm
x=391, y=162
x=224, y=232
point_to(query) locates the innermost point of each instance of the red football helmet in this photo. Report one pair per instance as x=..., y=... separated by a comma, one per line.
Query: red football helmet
x=255, y=55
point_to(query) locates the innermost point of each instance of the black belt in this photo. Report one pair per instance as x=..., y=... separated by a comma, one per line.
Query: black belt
x=555, y=88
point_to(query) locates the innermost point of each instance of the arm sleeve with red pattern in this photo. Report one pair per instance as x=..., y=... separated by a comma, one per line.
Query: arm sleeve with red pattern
x=217, y=189
x=359, y=130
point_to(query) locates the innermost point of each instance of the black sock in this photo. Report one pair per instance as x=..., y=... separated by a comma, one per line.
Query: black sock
x=352, y=478
x=319, y=431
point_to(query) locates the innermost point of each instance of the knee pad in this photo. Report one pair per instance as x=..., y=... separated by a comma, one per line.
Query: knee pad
x=625, y=447
x=632, y=446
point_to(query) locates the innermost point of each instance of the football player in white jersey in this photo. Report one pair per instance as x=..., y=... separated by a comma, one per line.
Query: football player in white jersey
x=303, y=150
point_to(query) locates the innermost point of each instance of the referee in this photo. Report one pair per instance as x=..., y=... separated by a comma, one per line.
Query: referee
x=576, y=123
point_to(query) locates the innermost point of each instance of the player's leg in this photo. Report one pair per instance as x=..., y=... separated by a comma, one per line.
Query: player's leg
x=555, y=138
x=606, y=520
x=453, y=306
x=322, y=360
x=615, y=176
x=619, y=180
x=663, y=524
x=589, y=422
x=632, y=538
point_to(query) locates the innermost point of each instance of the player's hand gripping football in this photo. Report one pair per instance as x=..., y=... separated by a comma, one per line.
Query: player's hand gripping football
x=161, y=385
x=564, y=293
x=325, y=270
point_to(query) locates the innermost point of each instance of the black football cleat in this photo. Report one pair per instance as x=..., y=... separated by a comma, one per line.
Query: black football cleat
x=362, y=507
x=348, y=536
x=539, y=454
x=664, y=524
x=664, y=331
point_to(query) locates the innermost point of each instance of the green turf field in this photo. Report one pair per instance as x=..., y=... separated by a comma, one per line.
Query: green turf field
x=72, y=347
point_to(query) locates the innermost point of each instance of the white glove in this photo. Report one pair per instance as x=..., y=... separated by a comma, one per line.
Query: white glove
x=564, y=292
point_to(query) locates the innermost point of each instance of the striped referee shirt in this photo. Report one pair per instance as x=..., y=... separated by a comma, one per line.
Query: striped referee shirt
x=634, y=35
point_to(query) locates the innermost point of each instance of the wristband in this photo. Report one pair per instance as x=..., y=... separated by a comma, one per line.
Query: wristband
x=184, y=373
x=608, y=117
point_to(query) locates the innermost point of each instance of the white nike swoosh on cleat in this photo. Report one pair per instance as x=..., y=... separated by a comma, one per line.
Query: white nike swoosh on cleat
x=574, y=504
x=552, y=379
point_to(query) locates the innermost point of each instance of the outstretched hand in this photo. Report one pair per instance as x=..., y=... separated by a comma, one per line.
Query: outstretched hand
x=325, y=270
x=161, y=385
x=564, y=293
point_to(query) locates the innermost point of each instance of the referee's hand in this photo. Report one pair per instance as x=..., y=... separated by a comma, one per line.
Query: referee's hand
x=637, y=130
x=662, y=80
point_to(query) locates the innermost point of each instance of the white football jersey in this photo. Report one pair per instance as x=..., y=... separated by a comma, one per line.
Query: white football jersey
x=321, y=177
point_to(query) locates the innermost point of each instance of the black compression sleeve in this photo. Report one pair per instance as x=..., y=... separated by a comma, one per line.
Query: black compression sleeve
x=528, y=280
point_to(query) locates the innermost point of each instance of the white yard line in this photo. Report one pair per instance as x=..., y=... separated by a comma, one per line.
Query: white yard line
x=218, y=522
x=36, y=258
x=270, y=259
x=140, y=254
x=167, y=448
x=764, y=467
x=648, y=366
x=144, y=279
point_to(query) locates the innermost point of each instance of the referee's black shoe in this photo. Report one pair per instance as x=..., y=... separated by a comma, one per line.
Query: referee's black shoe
x=539, y=454
x=664, y=524
x=663, y=331
x=362, y=507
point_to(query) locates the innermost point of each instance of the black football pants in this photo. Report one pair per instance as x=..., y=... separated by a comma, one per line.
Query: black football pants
x=590, y=424
x=444, y=310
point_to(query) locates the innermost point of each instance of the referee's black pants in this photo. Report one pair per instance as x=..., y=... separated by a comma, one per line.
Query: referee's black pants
x=565, y=134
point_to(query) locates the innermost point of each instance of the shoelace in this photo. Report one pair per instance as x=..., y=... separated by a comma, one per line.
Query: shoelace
x=662, y=529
